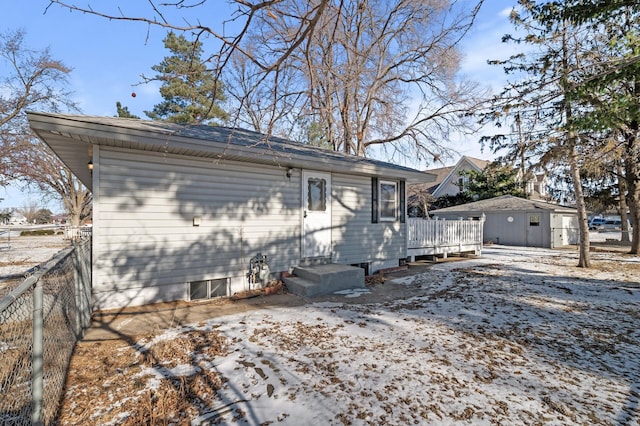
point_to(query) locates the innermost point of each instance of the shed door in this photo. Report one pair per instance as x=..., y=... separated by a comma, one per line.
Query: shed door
x=316, y=214
x=534, y=230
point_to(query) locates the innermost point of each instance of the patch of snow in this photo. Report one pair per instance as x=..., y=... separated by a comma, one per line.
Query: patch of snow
x=518, y=336
x=353, y=292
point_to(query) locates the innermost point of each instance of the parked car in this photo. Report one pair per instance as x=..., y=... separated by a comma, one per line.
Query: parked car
x=596, y=223
x=614, y=225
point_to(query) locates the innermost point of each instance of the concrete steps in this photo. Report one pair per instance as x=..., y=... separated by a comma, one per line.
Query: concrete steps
x=317, y=280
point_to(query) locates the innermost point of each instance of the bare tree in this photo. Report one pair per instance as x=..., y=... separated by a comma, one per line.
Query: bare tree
x=29, y=210
x=176, y=16
x=29, y=79
x=419, y=200
x=256, y=104
x=381, y=73
x=34, y=80
x=367, y=73
x=52, y=178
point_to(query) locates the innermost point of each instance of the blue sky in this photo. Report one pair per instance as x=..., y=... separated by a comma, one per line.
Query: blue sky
x=108, y=57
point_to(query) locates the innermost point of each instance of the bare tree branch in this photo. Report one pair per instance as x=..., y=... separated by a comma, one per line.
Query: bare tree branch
x=357, y=70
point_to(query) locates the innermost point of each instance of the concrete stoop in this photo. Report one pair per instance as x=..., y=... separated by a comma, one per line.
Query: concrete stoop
x=317, y=280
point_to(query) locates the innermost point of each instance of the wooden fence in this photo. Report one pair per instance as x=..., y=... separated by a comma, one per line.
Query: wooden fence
x=441, y=237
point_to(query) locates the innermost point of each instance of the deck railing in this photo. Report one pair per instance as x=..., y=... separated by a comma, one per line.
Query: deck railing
x=440, y=237
x=77, y=232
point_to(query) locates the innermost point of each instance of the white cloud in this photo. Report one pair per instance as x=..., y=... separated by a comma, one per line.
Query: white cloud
x=506, y=12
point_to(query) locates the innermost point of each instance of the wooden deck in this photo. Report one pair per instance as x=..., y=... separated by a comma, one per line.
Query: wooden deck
x=442, y=237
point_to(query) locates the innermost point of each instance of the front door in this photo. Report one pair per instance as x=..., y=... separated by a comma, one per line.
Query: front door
x=316, y=214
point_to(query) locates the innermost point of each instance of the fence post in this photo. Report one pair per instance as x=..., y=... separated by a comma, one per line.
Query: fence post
x=77, y=279
x=37, y=354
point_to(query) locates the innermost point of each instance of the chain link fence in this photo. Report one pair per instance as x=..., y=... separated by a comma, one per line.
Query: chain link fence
x=40, y=321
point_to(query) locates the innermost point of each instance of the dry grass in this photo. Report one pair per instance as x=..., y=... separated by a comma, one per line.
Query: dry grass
x=123, y=369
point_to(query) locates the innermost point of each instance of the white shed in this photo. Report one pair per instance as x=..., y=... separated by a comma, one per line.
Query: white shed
x=180, y=211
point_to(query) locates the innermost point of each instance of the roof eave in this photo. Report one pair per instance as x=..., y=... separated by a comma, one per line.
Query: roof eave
x=63, y=135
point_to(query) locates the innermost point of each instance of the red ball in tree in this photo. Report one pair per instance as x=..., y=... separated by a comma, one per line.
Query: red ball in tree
x=133, y=94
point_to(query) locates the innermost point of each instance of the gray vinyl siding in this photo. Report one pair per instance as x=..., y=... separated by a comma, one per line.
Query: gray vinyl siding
x=355, y=238
x=500, y=230
x=515, y=232
x=146, y=205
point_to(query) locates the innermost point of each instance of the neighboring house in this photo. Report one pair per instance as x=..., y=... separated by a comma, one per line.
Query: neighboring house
x=449, y=179
x=535, y=185
x=17, y=218
x=517, y=221
x=183, y=212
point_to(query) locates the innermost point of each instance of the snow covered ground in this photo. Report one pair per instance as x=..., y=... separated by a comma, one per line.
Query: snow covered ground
x=599, y=236
x=20, y=253
x=520, y=336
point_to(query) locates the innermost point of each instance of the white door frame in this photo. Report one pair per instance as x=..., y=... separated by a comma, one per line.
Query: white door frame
x=316, y=218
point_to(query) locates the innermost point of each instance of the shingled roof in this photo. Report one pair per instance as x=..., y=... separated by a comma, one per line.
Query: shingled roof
x=505, y=203
x=440, y=174
x=72, y=136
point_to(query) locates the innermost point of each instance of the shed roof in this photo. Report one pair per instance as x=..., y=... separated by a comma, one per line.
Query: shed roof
x=506, y=203
x=72, y=138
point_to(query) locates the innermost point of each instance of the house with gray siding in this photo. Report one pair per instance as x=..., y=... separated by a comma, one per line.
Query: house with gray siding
x=517, y=221
x=183, y=212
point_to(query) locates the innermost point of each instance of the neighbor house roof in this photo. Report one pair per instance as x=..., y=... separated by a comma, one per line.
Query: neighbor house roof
x=72, y=137
x=454, y=174
x=506, y=203
x=440, y=174
x=480, y=164
x=444, y=174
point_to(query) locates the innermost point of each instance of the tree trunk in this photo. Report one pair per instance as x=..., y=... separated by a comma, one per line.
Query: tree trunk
x=623, y=206
x=572, y=139
x=583, y=225
x=635, y=223
x=76, y=199
x=74, y=209
x=632, y=175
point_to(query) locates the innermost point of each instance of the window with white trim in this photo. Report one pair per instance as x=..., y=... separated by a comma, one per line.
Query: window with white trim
x=388, y=200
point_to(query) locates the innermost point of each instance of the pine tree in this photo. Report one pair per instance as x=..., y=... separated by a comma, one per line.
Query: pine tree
x=123, y=111
x=190, y=91
x=611, y=88
x=544, y=102
x=494, y=181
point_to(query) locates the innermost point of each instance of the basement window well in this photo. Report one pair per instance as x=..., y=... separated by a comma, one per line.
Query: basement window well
x=208, y=289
